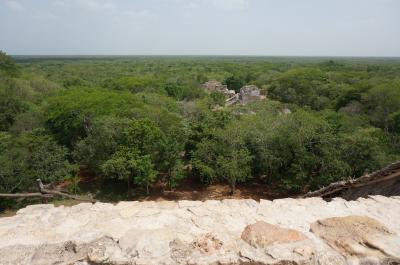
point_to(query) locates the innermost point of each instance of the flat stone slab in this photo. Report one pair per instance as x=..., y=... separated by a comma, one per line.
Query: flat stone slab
x=360, y=238
x=262, y=234
x=284, y=231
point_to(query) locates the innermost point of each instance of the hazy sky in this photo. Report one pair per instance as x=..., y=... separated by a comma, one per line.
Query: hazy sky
x=204, y=27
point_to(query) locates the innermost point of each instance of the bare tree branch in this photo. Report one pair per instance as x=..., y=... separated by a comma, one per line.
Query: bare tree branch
x=19, y=195
x=45, y=193
x=390, y=172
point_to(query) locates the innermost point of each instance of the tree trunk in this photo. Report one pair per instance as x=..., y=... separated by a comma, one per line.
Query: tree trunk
x=386, y=127
x=269, y=179
x=232, y=185
x=147, y=189
x=169, y=180
x=129, y=187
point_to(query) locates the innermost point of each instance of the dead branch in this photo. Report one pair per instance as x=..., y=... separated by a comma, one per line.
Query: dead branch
x=390, y=172
x=21, y=195
x=45, y=193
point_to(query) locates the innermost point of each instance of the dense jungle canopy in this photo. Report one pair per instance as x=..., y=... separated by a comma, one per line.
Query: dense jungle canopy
x=138, y=121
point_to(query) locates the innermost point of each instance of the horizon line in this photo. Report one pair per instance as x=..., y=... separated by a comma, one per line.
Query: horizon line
x=205, y=55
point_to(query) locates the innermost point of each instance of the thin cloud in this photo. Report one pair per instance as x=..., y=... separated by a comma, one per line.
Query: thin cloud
x=225, y=5
x=45, y=16
x=98, y=4
x=88, y=5
x=229, y=4
x=15, y=5
x=140, y=14
x=263, y=27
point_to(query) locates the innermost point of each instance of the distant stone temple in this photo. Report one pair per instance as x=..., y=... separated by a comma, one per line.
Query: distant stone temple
x=216, y=86
x=232, y=100
x=248, y=93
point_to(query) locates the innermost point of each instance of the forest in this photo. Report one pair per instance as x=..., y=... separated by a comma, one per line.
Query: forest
x=117, y=127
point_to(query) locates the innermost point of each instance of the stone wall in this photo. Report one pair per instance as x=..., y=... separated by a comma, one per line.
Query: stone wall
x=249, y=93
x=215, y=86
x=284, y=231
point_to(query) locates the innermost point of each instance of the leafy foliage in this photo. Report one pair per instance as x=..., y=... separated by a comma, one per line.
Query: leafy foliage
x=30, y=156
x=144, y=120
x=234, y=83
x=382, y=102
x=7, y=65
x=128, y=164
x=10, y=106
x=223, y=157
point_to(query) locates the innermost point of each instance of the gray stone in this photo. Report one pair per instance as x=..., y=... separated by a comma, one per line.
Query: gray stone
x=359, y=237
x=195, y=232
x=262, y=234
x=249, y=93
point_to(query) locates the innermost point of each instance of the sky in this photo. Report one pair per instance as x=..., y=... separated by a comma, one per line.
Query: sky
x=201, y=27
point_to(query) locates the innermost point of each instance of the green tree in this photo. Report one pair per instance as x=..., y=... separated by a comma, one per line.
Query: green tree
x=137, y=84
x=305, y=159
x=223, y=158
x=176, y=173
x=203, y=126
x=121, y=166
x=348, y=95
x=170, y=156
x=217, y=98
x=8, y=66
x=135, y=155
x=104, y=138
x=70, y=114
x=234, y=83
x=381, y=102
x=234, y=167
x=363, y=150
x=301, y=86
x=394, y=122
x=10, y=107
x=145, y=174
x=30, y=156
x=143, y=135
x=174, y=90
x=127, y=164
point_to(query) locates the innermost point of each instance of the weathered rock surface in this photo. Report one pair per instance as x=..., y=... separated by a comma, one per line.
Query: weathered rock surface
x=359, y=238
x=262, y=234
x=278, y=243
x=286, y=231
